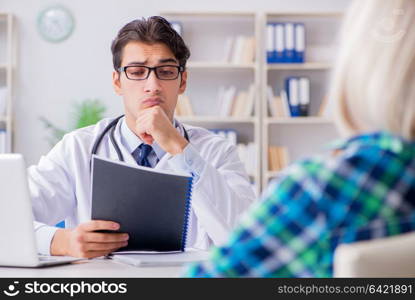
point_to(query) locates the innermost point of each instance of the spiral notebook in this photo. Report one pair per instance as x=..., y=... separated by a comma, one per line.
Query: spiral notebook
x=152, y=206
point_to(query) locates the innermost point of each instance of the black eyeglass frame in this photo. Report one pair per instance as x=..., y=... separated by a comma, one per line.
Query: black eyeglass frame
x=180, y=69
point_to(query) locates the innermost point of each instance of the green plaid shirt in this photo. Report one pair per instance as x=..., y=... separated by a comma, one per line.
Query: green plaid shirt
x=364, y=191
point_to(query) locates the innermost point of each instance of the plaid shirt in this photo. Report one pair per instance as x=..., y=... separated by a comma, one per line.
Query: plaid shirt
x=365, y=190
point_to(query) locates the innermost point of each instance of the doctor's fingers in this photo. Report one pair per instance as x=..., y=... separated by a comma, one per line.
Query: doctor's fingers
x=98, y=225
x=104, y=237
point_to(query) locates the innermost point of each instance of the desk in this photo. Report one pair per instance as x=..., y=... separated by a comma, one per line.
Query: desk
x=93, y=268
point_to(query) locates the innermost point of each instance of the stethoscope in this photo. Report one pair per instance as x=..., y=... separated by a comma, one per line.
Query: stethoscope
x=111, y=128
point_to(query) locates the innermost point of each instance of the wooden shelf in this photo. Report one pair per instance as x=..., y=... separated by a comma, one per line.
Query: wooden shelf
x=218, y=65
x=215, y=119
x=300, y=66
x=299, y=120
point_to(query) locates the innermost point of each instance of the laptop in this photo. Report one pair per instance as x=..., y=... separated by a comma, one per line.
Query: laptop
x=17, y=237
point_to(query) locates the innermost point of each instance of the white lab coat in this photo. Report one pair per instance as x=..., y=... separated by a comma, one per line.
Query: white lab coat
x=60, y=185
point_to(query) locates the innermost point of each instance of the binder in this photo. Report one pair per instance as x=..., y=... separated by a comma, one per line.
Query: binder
x=291, y=85
x=279, y=43
x=152, y=206
x=299, y=47
x=304, y=97
x=250, y=101
x=289, y=43
x=270, y=43
x=285, y=103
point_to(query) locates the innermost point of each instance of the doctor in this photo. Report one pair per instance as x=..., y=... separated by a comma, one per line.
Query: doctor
x=149, y=60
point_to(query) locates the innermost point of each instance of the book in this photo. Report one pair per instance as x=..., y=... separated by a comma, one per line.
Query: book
x=289, y=43
x=151, y=205
x=248, y=55
x=229, y=44
x=292, y=88
x=239, y=104
x=285, y=103
x=270, y=99
x=270, y=42
x=279, y=43
x=250, y=101
x=299, y=43
x=238, y=49
x=227, y=101
x=278, y=158
x=325, y=110
x=164, y=259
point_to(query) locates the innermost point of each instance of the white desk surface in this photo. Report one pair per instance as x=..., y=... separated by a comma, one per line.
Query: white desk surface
x=94, y=268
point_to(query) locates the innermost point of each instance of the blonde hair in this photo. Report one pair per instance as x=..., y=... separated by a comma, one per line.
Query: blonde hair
x=373, y=84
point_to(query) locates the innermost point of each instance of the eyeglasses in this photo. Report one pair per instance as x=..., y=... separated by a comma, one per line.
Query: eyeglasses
x=166, y=72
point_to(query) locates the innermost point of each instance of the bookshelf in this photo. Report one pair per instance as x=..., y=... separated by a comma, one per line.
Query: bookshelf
x=7, y=44
x=218, y=67
x=206, y=34
x=299, y=136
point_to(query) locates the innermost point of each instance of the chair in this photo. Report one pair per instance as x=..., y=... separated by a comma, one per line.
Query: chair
x=384, y=257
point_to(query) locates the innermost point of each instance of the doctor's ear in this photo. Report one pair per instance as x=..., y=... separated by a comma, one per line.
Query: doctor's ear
x=116, y=83
x=183, y=82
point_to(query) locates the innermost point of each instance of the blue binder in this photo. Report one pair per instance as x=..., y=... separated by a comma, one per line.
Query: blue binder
x=279, y=38
x=292, y=89
x=289, y=43
x=270, y=43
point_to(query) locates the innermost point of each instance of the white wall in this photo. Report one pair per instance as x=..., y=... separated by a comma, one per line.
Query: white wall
x=50, y=76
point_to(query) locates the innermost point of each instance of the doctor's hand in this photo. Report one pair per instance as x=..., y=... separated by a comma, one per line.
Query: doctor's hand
x=83, y=242
x=153, y=124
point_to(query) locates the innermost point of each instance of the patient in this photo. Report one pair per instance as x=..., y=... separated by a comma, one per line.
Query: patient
x=364, y=188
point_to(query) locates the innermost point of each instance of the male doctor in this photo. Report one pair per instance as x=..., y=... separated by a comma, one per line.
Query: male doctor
x=149, y=60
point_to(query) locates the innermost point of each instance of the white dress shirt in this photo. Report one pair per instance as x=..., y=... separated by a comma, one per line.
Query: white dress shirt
x=60, y=184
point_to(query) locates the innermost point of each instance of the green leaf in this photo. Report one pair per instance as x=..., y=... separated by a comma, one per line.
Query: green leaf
x=88, y=112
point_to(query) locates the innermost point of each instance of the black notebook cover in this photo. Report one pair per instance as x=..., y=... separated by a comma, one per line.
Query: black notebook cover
x=152, y=206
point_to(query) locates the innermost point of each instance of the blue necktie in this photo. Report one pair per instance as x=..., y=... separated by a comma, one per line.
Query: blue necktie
x=141, y=154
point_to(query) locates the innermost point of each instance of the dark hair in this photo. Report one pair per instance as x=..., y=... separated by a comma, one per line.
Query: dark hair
x=152, y=30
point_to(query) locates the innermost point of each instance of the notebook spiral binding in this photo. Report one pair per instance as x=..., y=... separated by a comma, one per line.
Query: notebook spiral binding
x=187, y=213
